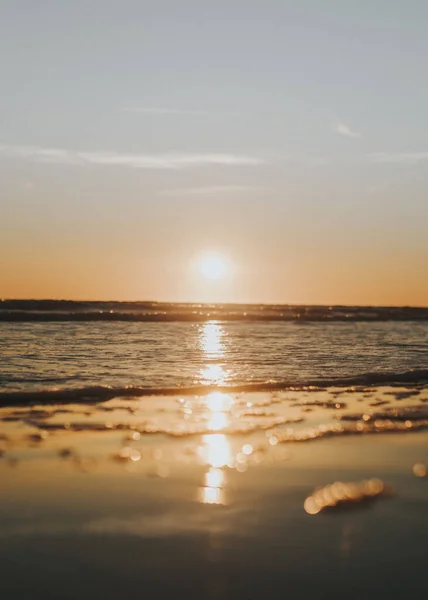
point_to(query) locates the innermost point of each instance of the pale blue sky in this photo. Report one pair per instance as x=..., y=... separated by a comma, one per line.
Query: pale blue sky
x=290, y=136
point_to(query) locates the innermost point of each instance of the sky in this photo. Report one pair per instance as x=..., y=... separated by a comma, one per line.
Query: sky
x=291, y=138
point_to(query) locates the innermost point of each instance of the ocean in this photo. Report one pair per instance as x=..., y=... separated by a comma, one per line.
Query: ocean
x=212, y=451
x=108, y=349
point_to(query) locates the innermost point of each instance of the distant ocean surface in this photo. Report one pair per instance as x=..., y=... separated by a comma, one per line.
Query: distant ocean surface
x=68, y=310
x=55, y=350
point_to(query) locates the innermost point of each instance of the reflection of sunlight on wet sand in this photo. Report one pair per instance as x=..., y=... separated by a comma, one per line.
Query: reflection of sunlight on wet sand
x=218, y=421
x=215, y=453
x=216, y=450
x=214, y=478
x=213, y=493
x=219, y=404
x=213, y=349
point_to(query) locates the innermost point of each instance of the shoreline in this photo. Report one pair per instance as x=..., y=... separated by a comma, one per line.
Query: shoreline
x=189, y=494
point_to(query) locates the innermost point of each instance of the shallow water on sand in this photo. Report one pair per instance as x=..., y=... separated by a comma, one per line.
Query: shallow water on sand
x=207, y=496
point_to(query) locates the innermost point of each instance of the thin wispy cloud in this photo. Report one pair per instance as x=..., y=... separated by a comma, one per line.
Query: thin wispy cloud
x=47, y=155
x=407, y=158
x=343, y=129
x=156, y=110
x=172, y=161
x=214, y=190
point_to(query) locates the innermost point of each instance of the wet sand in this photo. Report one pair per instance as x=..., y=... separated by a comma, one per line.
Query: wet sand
x=217, y=496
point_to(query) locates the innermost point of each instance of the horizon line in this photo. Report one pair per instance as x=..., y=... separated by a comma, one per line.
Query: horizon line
x=207, y=303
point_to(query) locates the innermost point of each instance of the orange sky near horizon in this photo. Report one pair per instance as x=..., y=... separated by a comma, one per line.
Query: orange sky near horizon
x=288, y=137
x=305, y=280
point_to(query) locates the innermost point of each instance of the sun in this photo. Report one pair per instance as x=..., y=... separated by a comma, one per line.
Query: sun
x=213, y=267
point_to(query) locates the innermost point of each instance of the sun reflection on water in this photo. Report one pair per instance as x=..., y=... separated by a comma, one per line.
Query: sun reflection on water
x=218, y=421
x=212, y=346
x=213, y=375
x=212, y=495
x=216, y=454
x=216, y=450
x=214, y=478
x=219, y=406
x=219, y=402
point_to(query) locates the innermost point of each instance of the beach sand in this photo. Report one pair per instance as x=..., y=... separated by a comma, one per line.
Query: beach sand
x=215, y=496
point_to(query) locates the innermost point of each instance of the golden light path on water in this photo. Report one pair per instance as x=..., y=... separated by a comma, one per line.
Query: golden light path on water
x=216, y=455
x=215, y=452
x=212, y=346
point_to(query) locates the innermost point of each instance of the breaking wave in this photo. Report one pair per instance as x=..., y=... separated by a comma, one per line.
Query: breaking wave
x=95, y=394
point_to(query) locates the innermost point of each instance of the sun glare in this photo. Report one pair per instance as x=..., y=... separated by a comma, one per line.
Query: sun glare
x=213, y=267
